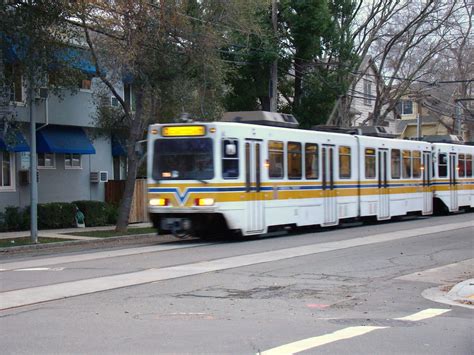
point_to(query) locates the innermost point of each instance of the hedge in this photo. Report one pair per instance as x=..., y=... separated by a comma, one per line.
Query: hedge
x=97, y=213
x=58, y=215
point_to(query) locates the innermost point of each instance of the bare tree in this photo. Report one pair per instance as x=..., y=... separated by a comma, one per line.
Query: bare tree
x=404, y=39
x=168, y=52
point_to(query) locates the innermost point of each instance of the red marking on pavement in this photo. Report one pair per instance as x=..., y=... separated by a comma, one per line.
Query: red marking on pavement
x=317, y=305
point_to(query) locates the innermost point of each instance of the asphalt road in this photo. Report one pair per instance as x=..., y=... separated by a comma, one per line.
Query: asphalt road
x=351, y=290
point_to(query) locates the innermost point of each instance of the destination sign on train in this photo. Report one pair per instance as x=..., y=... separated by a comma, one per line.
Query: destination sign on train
x=183, y=131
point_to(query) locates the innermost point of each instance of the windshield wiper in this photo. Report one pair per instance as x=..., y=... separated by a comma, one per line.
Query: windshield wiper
x=203, y=181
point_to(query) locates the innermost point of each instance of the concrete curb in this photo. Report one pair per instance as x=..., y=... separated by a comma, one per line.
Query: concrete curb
x=73, y=245
x=461, y=294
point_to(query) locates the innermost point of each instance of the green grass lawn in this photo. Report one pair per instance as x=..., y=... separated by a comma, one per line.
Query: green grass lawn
x=112, y=233
x=13, y=242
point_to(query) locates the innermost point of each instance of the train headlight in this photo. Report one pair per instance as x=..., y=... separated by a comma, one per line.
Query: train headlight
x=204, y=202
x=159, y=202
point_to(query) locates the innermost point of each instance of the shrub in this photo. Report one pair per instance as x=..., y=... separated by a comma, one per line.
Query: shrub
x=96, y=213
x=56, y=215
x=112, y=214
x=3, y=225
x=14, y=219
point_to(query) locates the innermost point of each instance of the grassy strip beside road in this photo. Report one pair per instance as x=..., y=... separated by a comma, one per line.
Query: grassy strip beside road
x=14, y=242
x=113, y=233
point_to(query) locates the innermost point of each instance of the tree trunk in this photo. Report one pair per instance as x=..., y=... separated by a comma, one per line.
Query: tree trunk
x=265, y=102
x=298, y=81
x=136, y=131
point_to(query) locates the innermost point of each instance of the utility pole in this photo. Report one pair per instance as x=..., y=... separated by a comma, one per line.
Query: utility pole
x=33, y=165
x=458, y=123
x=274, y=68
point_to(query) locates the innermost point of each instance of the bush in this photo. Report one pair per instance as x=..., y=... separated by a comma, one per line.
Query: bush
x=112, y=214
x=15, y=219
x=96, y=213
x=56, y=215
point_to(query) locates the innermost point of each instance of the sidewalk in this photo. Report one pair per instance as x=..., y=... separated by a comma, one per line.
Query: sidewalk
x=63, y=233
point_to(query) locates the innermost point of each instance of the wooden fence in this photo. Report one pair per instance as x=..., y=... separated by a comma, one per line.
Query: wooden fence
x=138, y=211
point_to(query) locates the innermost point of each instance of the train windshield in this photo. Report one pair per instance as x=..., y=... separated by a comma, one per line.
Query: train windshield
x=183, y=159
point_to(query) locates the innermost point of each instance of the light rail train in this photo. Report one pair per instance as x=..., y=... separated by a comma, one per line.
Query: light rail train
x=249, y=174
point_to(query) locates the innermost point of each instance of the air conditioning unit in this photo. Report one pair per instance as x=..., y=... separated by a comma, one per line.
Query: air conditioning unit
x=99, y=176
x=41, y=94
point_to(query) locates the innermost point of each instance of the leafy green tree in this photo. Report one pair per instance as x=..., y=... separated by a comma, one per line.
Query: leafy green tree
x=169, y=51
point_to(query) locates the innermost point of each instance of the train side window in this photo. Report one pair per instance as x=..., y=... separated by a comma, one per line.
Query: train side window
x=416, y=164
x=294, y=160
x=442, y=165
x=344, y=162
x=275, y=159
x=469, y=165
x=230, y=159
x=461, y=166
x=370, y=163
x=396, y=166
x=406, y=164
x=311, y=161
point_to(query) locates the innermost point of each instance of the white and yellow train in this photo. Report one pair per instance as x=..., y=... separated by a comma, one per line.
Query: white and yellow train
x=246, y=175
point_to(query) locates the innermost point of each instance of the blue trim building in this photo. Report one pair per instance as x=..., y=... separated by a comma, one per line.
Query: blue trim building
x=70, y=149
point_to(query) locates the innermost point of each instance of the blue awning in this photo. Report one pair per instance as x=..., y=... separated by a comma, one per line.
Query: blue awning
x=16, y=143
x=63, y=139
x=78, y=58
x=118, y=147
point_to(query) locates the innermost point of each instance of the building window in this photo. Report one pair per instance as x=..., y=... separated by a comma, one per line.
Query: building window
x=46, y=161
x=367, y=92
x=72, y=161
x=129, y=96
x=6, y=171
x=405, y=107
x=230, y=159
x=294, y=160
x=344, y=162
x=14, y=79
x=395, y=163
x=275, y=159
x=311, y=161
x=120, y=167
x=370, y=161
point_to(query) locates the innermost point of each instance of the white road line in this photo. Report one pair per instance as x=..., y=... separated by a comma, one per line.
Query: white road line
x=305, y=344
x=33, y=295
x=41, y=269
x=425, y=314
x=91, y=256
x=346, y=333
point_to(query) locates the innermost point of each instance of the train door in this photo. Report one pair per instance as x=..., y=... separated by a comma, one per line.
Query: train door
x=329, y=193
x=453, y=189
x=254, y=214
x=427, y=191
x=384, y=191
